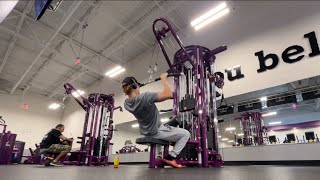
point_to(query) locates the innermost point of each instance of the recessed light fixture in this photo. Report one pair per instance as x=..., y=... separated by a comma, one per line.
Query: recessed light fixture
x=241, y=134
x=54, y=106
x=77, y=93
x=230, y=128
x=231, y=141
x=210, y=16
x=219, y=136
x=274, y=123
x=115, y=71
x=224, y=139
x=135, y=125
x=270, y=114
x=200, y=111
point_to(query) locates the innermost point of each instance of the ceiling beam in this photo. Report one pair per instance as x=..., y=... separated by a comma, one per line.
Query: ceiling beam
x=73, y=33
x=74, y=6
x=34, y=41
x=15, y=37
x=70, y=80
x=55, y=91
x=124, y=28
x=167, y=11
x=71, y=41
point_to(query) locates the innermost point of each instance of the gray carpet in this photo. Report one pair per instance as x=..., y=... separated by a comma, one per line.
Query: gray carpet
x=141, y=172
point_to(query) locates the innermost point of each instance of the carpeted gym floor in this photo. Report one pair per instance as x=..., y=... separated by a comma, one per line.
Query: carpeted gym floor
x=141, y=172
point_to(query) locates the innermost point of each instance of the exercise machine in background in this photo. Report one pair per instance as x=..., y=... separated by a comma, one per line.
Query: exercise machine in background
x=194, y=100
x=7, y=142
x=97, y=128
x=252, y=126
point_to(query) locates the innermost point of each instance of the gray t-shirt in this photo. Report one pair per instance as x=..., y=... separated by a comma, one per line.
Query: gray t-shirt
x=144, y=109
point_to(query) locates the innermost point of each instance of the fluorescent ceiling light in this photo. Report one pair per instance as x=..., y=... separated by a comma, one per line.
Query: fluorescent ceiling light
x=224, y=139
x=219, y=136
x=269, y=114
x=135, y=125
x=54, y=106
x=209, y=14
x=230, y=129
x=274, y=123
x=263, y=98
x=211, y=19
x=231, y=141
x=77, y=93
x=6, y=7
x=117, y=72
x=241, y=134
x=113, y=70
x=164, y=119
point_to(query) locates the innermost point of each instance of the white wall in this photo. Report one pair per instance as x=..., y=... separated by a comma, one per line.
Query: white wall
x=31, y=124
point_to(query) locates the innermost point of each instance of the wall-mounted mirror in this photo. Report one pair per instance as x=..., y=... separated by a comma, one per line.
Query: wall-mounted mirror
x=289, y=113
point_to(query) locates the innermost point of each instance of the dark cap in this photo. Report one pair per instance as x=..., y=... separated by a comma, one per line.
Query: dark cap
x=130, y=81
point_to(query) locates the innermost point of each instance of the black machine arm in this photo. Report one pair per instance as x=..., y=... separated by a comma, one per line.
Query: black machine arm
x=69, y=89
x=119, y=107
x=158, y=79
x=166, y=110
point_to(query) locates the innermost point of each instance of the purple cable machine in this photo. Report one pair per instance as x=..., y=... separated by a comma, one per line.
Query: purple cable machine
x=7, y=140
x=198, y=86
x=97, y=129
x=251, y=125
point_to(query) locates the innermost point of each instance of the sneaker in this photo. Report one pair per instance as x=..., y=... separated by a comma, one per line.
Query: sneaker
x=57, y=164
x=172, y=163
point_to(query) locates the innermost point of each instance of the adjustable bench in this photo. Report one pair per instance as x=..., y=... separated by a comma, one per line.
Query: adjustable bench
x=152, y=142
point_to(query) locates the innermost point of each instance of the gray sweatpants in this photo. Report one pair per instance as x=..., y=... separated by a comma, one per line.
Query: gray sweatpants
x=178, y=135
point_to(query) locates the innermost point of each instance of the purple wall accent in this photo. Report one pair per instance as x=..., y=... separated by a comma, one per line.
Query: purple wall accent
x=298, y=125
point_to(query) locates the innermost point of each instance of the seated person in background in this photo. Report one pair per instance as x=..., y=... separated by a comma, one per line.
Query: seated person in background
x=143, y=107
x=52, y=143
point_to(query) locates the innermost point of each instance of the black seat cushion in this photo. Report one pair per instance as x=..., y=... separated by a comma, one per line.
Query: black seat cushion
x=150, y=140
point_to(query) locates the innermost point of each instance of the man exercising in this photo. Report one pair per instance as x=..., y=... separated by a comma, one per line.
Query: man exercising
x=52, y=143
x=143, y=107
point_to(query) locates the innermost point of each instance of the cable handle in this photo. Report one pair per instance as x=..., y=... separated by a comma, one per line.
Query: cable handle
x=170, y=75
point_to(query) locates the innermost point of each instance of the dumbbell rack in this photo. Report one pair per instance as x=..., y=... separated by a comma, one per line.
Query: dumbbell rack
x=97, y=129
x=194, y=99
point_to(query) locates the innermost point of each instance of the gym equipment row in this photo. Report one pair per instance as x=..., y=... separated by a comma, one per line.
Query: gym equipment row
x=11, y=151
x=97, y=128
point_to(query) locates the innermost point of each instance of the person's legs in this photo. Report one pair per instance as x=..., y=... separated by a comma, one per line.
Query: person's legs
x=59, y=148
x=178, y=135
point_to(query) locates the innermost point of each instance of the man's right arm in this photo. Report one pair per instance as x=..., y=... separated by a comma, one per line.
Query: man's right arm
x=166, y=92
x=62, y=137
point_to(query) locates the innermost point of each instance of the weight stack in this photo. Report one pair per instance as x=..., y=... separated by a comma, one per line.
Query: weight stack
x=188, y=152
